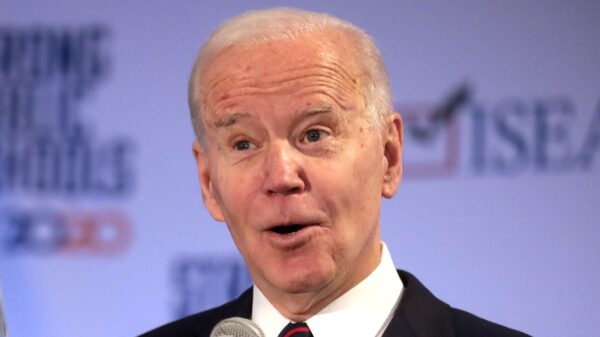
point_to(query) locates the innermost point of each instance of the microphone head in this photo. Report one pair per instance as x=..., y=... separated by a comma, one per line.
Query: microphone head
x=236, y=327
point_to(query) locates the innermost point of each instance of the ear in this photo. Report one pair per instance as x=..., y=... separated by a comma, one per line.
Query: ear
x=392, y=141
x=208, y=192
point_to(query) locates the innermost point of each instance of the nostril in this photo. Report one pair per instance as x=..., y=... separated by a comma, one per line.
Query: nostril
x=294, y=190
x=289, y=191
x=285, y=184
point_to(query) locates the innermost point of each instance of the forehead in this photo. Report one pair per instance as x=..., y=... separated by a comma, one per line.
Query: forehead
x=330, y=45
x=279, y=65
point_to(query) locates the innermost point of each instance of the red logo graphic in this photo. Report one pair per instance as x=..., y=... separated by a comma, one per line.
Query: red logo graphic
x=431, y=147
x=46, y=231
x=431, y=135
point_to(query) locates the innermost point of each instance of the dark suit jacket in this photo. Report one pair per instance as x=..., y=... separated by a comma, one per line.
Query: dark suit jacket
x=419, y=314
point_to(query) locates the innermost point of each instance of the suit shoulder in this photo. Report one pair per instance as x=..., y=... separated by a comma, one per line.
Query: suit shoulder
x=202, y=323
x=469, y=325
x=187, y=326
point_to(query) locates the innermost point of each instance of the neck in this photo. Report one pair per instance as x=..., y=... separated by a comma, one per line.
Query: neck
x=300, y=306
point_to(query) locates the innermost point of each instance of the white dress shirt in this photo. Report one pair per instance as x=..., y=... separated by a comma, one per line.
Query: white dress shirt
x=364, y=310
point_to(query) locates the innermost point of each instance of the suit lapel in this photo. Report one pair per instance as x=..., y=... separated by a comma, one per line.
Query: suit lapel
x=243, y=305
x=240, y=307
x=419, y=314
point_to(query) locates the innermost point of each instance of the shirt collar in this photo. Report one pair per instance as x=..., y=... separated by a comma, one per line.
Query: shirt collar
x=371, y=302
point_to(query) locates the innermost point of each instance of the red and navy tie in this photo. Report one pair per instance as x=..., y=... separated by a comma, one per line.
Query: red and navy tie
x=296, y=330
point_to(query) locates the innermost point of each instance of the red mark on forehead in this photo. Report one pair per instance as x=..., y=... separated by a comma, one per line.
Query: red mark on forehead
x=225, y=95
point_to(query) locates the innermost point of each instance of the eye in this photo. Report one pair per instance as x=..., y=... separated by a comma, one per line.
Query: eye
x=314, y=135
x=242, y=145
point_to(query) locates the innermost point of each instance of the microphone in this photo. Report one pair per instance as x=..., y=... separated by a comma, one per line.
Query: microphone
x=236, y=327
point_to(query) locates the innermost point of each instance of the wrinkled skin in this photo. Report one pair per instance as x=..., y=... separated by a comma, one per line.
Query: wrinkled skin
x=294, y=167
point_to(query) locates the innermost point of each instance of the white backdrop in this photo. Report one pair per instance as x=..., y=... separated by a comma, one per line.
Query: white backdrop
x=102, y=228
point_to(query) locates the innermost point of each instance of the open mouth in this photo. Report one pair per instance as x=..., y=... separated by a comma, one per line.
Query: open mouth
x=288, y=229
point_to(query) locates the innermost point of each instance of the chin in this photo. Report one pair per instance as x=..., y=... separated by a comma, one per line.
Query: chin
x=305, y=281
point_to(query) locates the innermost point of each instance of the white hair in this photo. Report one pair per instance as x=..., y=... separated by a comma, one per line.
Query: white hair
x=275, y=24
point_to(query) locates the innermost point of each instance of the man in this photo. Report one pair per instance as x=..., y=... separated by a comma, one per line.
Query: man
x=296, y=144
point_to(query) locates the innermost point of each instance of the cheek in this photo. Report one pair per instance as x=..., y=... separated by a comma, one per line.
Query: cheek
x=361, y=187
x=230, y=196
x=235, y=191
x=348, y=191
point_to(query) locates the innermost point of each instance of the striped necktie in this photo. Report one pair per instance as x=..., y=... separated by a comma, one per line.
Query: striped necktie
x=296, y=330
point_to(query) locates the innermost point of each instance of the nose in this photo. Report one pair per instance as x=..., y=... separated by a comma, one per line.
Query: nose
x=284, y=174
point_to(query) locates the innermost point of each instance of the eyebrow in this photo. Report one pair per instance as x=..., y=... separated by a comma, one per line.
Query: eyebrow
x=312, y=111
x=230, y=119
x=234, y=117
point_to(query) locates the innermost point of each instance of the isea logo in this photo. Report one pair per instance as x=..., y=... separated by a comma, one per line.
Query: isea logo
x=542, y=135
x=509, y=136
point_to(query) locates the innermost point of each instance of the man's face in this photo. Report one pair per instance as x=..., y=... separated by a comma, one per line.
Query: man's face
x=293, y=165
